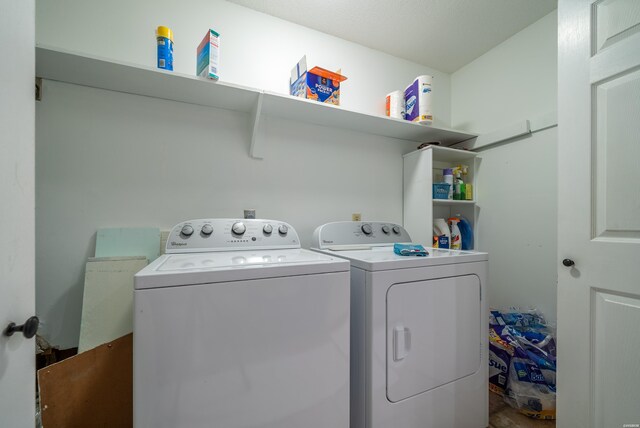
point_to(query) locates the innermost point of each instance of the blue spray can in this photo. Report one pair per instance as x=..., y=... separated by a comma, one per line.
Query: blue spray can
x=164, y=36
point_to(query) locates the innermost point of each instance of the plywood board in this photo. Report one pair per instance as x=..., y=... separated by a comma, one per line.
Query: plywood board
x=107, y=304
x=135, y=241
x=92, y=389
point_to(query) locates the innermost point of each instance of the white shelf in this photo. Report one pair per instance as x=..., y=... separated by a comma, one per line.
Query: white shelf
x=446, y=154
x=452, y=202
x=421, y=168
x=86, y=70
x=68, y=67
x=302, y=110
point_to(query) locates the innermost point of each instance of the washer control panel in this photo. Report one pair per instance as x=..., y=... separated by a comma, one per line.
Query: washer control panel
x=358, y=233
x=227, y=234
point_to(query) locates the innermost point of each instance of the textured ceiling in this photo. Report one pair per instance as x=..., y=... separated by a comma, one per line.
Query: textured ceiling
x=442, y=34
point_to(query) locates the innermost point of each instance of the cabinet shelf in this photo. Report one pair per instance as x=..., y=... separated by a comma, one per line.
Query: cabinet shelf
x=421, y=167
x=86, y=70
x=452, y=202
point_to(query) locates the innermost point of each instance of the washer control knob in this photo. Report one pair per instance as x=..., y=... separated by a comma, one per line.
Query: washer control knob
x=267, y=229
x=238, y=228
x=366, y=229
x=396, y=230
x=386, y=229
x=207, y=229
x=187, y=230
x=283, y=229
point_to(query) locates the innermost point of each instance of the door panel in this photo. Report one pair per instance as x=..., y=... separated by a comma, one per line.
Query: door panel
x=616, y=368
x=17, y=196
x=616, y=155
x=598, y=213
x=432, y=334
x=614, y=21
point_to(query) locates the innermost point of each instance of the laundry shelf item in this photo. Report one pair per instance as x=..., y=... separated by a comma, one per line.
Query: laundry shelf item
x=453, y=202
x=87, y=70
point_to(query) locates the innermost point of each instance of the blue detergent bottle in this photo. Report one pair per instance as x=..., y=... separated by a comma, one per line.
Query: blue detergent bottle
x=466, y=233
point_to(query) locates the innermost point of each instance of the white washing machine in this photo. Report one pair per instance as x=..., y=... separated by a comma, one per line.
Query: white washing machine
x=419, y=333
x=237, y=327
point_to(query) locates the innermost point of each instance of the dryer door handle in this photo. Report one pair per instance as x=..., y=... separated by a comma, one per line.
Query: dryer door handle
x=401, y=342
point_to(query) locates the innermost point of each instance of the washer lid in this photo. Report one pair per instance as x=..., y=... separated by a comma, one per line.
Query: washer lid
x=200, y=268
x=383, y=258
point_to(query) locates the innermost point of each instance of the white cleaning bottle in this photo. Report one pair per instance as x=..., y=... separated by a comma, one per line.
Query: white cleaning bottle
x=441, y=233
x=456, y=238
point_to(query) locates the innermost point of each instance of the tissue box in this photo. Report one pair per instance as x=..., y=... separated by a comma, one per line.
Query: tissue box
x=316, y=84
x=208, y=56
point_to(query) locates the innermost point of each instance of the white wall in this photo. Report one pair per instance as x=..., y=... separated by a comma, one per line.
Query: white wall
x=257, y=50
x=108, y=160
x=517, y=181
x=515, y=80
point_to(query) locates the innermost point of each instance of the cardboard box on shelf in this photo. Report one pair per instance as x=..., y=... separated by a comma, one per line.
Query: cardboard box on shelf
x=208, y=56
x=316, y=84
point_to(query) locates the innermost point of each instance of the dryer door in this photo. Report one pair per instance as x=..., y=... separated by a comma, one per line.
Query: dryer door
x=433, y=334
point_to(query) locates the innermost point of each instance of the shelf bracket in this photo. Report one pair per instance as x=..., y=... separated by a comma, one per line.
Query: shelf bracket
x=38, y=89
x=256, y=149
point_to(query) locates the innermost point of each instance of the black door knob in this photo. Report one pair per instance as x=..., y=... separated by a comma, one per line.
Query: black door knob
x=568, y=262
x=28, y=329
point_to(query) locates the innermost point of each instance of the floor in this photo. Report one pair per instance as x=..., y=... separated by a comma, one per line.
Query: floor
x=501, y=415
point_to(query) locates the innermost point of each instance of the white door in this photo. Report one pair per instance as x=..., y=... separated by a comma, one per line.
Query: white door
x=599, y=213
x=17, y=300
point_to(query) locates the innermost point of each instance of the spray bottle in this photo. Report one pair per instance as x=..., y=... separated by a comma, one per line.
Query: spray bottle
x=468, y=187
x=456, y=237
x=458, y=184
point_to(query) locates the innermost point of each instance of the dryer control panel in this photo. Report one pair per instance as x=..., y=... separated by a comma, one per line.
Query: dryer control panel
x=228, y=234
x=356, y=234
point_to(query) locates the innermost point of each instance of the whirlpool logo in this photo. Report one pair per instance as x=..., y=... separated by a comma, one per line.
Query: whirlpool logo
x=178, y=244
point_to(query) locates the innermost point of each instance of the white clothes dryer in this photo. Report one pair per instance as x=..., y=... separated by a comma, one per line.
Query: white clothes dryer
x=238, y=327
x=419, y=332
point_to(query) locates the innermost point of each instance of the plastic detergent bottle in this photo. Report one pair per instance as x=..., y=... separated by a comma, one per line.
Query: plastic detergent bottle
x=466, y=233
x=459, y=187
x=441, y=233
x=164, y=37
x=456, y=239
x=447, y=175
x=468, y=187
